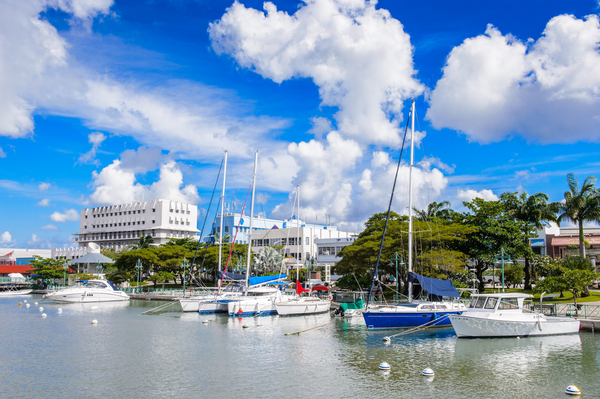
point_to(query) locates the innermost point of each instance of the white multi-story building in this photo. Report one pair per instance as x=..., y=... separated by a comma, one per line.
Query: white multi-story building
x=299, y=243
x=117, y=226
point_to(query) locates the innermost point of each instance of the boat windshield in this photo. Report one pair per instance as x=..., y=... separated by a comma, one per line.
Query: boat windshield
x=94, y=284
x=477, y=302
x=234, y=288
x=509, y=303
x=491, y=303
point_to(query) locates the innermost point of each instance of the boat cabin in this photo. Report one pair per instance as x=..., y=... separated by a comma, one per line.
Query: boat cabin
x=493, y=302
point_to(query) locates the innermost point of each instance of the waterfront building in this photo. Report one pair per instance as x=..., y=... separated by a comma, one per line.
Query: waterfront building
x=18, y=260
x=259, y=223
x=117, y=226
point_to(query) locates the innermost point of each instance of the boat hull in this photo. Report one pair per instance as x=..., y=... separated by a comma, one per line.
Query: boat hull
x=87, y=297
x=302, y=307
x=15, y=293
x=378, y=320
x=476, y=327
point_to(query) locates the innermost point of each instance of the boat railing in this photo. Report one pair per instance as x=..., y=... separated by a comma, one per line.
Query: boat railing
x=169, y=291
x=565, y=309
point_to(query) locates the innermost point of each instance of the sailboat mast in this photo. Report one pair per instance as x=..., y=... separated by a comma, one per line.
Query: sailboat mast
x=222, y=206
x=298, y=235
x=251, y=218
x=410, y=207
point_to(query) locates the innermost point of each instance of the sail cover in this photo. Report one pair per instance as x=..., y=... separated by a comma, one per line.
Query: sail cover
x=265, y=279
x=232, y=276
x=434, y=286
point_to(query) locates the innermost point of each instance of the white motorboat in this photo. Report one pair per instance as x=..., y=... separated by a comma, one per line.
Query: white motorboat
x=89, y=291
x=12, y=290
x=257, y=301
x=503, y=315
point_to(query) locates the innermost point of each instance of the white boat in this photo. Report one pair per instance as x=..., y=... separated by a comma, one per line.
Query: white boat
x=257, y=301
x=89, y=291
x=12, y=290
x=303, y=305
x=202, y=303
x=503, y=315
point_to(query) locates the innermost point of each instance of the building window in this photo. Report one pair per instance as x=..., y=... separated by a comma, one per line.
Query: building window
x=143, y=222
x=130, y=212
x=226, y=229
x=128, y=223
x=307, y=241
x=139, y=211
x=153, y=209
x=171, y=210
x=85, y=227
x=153, y=221
x=86, y=216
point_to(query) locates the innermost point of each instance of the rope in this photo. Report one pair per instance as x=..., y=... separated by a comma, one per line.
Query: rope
x=308, y=329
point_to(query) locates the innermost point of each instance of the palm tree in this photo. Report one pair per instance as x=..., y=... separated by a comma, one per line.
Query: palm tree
x=434, y=210
x=226, y=238
x=580, y=205
x=144, y=242
x=532, y=210
x=268, y=260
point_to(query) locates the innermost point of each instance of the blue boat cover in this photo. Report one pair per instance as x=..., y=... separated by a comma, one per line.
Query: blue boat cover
x=265, y=279
x=232, y=276
x=434, y=286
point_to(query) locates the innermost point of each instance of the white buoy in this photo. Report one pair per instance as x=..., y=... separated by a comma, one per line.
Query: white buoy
x=94, y=321
x=428, y=372
x=59, y=310
x=35, y=303
x=387, y=340
x=25, y=301
x=518, y=337
x=43, y=314
x=384, y=366
x=27, y=305
x=205, y=321
x=573, y=390
x=245, y=326
x=41, y=309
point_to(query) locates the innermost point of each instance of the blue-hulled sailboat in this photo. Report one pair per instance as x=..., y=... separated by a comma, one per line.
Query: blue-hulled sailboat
x=435, y=311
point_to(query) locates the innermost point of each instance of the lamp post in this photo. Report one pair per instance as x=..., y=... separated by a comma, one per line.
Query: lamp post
x=99, y=268
x=138, y=266
x=65, y=274
x=395, y=259
x=185, y=264
x=501, y=259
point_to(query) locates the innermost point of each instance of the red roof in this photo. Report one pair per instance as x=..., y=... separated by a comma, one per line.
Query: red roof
x=23, y=269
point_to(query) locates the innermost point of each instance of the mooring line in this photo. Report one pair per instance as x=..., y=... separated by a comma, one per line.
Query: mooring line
x=299, y=332
x=161, y=307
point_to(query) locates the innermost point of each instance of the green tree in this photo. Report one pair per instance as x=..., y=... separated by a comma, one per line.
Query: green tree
x=513, y=275
x=531, y=210
x=118, y=276
x=580, y=205
x=492, y=229
x=573, y=280
x=144, y=242
x=46, y=269
x=440, y=210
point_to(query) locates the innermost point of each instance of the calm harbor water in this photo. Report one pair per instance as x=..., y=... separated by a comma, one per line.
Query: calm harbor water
x=175, y=355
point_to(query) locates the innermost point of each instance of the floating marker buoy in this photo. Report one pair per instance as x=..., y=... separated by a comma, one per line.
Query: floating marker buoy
x=518, y=337
x=94, y=307
x=94, y=321
x=573, y=390
x=59, y=310
x=43, y=314
x=35, y=303
x=20, y=304
x=41, y=309
x=25, y=301
x=205, y=321
x=387, y=340
x=428, y=372
x=28, y=305
x=384, y=366
x=245, y=326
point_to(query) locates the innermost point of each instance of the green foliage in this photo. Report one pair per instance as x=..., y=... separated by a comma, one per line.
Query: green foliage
x=47, y=268
x=576, y=263
x=144, y=242
x=349, y=282
x=513, y=274
x=434, y=210
x=267, y=260
x=118, y=276
x=573, y=280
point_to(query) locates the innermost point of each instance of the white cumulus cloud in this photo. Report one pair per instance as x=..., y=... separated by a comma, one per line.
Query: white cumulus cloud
x=6, y=239
x=2, y=153
x=44, y=202
x=469, y=194
x=547, y=90
x=44, y=186
x=89, y=157
x=70, y=215
x=49, y=227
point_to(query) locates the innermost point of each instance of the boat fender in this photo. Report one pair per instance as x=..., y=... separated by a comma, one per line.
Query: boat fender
x=330, y=297
x=434, y=316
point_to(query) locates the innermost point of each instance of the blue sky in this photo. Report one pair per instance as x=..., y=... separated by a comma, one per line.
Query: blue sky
x=105, y=102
